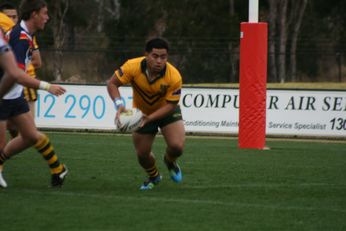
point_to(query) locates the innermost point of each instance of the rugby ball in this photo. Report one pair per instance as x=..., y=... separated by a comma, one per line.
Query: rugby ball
x=129, y=121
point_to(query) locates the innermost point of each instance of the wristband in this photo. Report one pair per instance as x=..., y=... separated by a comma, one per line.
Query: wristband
x=44, y=85
x=118, y=102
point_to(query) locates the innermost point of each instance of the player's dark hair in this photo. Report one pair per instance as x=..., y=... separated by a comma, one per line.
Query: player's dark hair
x=7, y=6
x=157, y=43
x=27, y=7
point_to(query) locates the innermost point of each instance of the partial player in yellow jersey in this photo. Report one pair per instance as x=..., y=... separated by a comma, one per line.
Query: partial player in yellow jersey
x=5, y=22
x=156, y=88
x=8, y=16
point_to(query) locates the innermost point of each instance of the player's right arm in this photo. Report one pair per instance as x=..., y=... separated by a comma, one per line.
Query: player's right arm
x=14, y=74
x=113, y=85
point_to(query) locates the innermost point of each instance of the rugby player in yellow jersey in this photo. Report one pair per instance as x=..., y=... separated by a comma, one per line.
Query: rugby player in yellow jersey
x=156, y=88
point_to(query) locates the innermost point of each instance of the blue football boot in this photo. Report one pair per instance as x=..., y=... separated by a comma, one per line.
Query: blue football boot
x=150, y=183
x=174, y=171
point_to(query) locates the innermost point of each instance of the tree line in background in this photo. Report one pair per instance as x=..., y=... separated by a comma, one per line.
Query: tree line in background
x=86, y=40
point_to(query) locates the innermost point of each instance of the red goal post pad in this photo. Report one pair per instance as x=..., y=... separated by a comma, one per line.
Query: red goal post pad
x=252, y=85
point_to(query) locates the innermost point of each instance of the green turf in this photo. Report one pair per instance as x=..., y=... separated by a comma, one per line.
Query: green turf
x=297, y=185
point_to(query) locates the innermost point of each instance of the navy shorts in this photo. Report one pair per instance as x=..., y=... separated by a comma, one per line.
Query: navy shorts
x=13, y=107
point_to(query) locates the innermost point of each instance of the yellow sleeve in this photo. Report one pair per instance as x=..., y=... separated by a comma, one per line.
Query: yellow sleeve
x=124, y=73
x=6, y=23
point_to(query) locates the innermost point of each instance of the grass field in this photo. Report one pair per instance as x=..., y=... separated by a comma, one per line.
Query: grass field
x=297, y=185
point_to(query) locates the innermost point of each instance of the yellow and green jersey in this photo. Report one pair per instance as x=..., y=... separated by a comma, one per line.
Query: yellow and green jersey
x=148, y=96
